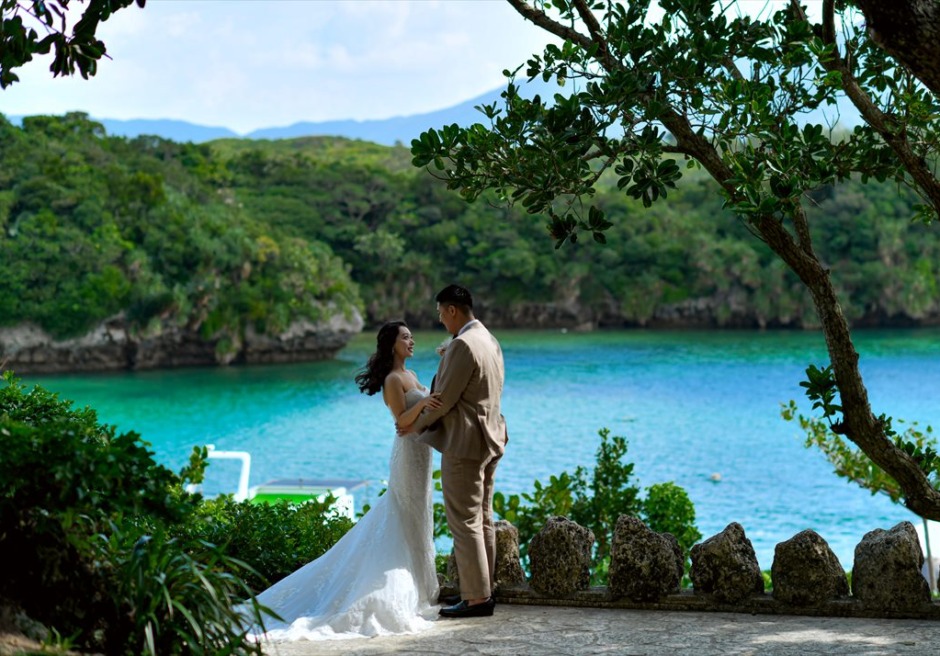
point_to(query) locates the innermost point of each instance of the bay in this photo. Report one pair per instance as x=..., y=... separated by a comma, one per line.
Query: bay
x=694, y=406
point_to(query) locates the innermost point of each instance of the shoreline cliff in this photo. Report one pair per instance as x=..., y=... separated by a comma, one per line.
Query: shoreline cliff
x=113, y=346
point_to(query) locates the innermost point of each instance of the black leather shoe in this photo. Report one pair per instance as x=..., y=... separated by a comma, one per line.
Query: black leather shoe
x=449, y=600
x=463, y=609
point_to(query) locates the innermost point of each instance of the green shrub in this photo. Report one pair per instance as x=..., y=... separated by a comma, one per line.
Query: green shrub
x=168, y=600
x=440, y=563
x=602, y=495
x=595, y=499
x=543, y=502
x=273, y=540
x=667, y=508
x=63, y=477
x=78, y=504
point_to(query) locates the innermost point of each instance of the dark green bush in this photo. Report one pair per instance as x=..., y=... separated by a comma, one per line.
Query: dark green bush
x=78, y=506
x=172, y=601
x=274, y=540
x=667, y=508
x=63, y=477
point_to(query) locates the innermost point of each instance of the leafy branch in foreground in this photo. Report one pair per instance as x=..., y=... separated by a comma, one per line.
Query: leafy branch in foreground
x=731, y=92
x=852, y=464
x=822, y=390
x=82, y=49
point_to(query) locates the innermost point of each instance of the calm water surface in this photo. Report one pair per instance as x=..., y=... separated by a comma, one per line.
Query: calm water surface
x=692, y=404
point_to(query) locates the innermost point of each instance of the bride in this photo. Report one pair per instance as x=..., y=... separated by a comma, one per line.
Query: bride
x=380, y=577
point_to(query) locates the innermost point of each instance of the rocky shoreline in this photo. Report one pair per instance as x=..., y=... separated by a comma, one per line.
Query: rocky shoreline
x=113, y=346
x=723, y=311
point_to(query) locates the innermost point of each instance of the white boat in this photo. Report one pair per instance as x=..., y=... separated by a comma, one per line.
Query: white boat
x=294, y=490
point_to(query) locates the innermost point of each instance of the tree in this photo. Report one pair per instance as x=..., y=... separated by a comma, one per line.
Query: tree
x=727, y=93
x=19, y=41
x=909, y=30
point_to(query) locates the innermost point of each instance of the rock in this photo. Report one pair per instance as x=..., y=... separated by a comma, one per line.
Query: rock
x=644, y=565
x=13, y=620
x=887, y=571
x=725, y=566
x=560, y=558
x=113, y=345
x=303, y=340
x=508, y=566
x=806, y=572
x=27, y=348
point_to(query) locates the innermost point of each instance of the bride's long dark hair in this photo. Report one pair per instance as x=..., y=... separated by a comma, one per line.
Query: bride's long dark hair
x=372, y=376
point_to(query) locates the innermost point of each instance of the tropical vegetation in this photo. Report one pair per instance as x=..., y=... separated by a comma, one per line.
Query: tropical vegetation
x=225, y=235
x=104, y=546
x=726, y=92
x=595, y=499
x=93, y=226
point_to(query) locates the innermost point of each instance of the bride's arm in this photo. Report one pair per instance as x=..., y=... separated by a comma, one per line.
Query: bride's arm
x=410, y=415
x=394, y=394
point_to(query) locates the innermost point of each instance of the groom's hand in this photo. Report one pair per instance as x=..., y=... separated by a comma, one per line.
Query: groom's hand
x=404, y=430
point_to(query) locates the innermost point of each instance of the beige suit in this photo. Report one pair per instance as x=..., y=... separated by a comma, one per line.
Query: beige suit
x=471, y=435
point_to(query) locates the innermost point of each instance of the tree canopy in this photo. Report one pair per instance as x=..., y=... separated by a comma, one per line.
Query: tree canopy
x=93, y=226
x=709, y=87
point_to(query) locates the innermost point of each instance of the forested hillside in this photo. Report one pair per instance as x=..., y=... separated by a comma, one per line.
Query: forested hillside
x=682, y=263
x=236, y=234
x=93, y=227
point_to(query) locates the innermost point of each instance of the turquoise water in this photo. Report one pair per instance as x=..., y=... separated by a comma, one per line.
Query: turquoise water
x=692, y=404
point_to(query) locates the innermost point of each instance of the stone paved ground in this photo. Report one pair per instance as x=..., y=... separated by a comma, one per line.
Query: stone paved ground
x=559, y=631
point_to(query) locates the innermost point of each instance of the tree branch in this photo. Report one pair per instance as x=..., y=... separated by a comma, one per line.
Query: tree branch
x=908, y=30
x=883, y=124
x=597, y=34
x=541, y=19
x=732, y=69
x=801, y=224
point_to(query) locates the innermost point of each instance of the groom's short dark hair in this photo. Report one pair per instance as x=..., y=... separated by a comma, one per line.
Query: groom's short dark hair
x=455, y=295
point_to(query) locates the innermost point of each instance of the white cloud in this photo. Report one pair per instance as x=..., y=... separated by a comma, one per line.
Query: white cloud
x=246, y=64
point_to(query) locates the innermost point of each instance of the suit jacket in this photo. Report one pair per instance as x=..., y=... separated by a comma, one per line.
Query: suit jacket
x=470, y=379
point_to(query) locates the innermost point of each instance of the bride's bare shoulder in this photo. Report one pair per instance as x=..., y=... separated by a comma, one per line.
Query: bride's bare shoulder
x=394, y=378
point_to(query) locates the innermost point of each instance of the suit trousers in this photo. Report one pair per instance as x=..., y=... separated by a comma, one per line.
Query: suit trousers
x=468, y=501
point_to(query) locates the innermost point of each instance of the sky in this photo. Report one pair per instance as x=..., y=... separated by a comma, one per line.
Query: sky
x=249, y=64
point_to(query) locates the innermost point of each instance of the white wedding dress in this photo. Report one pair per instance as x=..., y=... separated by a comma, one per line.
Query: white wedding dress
x=380, y=578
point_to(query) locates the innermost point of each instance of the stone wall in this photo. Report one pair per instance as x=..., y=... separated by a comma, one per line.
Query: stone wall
x=646, y=568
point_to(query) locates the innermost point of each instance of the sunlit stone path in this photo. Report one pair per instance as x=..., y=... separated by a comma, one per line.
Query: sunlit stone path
x=540, y=630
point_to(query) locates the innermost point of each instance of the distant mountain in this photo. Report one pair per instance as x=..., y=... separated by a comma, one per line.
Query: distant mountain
x=388, y=132
x=166, y=128
x=400, y=128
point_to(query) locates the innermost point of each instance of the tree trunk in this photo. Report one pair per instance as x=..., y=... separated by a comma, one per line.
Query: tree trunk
x=908, y=30
x=860, y=424
x=914, y=27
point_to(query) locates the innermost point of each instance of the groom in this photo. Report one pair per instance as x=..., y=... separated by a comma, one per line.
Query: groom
x=471, y=436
